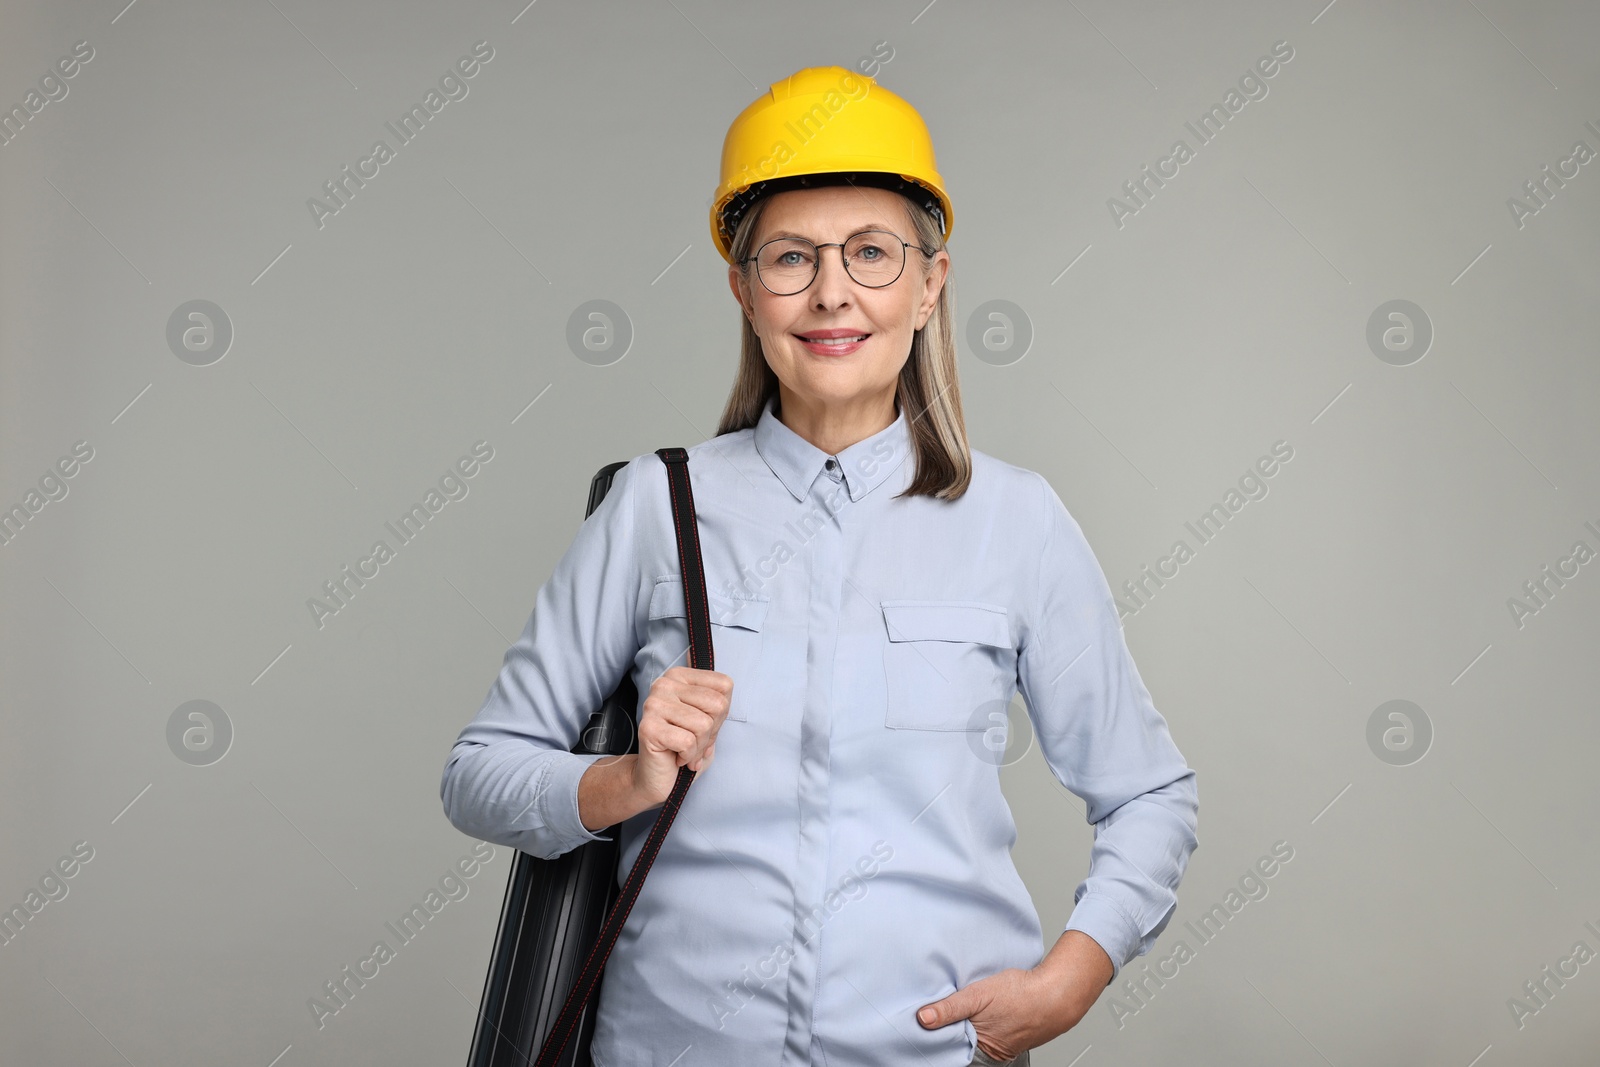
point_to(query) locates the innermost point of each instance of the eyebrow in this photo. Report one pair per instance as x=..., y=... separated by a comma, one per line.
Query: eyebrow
x=861, y=229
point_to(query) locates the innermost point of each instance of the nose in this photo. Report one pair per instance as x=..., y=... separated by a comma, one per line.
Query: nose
x=832, y=285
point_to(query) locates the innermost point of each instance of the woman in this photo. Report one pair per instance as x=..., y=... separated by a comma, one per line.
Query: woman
x=838, y=887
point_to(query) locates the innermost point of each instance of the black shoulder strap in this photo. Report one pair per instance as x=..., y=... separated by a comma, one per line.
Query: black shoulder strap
x=700, y=657
x=689, y=560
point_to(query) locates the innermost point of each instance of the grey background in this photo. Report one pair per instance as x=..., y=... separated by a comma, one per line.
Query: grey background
x=368, y=355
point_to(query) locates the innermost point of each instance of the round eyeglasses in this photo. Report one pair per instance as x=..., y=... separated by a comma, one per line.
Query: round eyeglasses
x=873, y=258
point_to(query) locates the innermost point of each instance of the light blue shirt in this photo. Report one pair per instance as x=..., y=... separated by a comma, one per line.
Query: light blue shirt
x=846, y=857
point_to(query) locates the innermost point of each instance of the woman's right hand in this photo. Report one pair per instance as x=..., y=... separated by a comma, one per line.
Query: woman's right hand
x=678, y=726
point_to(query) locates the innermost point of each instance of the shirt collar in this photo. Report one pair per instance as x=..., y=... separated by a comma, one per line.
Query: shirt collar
x=797, y=462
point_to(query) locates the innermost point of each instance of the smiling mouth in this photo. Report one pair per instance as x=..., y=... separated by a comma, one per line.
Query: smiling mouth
x=857, y=339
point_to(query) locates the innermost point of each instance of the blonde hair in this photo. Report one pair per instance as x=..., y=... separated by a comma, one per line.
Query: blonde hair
x=929, y=392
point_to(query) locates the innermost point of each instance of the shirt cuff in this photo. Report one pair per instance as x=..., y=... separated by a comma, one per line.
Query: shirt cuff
x=1104, y=920
x=558, y=800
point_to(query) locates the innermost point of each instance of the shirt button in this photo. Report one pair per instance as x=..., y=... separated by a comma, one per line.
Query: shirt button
x=831, y=464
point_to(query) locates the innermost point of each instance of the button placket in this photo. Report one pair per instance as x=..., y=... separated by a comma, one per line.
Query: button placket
x=825, y=585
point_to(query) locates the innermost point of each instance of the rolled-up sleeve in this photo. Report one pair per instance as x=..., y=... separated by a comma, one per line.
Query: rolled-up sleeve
x=511, y=777
x=1105, y=741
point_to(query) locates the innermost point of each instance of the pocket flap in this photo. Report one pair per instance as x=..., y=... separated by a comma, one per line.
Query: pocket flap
x=947, y=620
x=747, y=613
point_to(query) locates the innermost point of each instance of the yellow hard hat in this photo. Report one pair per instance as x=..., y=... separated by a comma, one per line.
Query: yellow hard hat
x=825, y=121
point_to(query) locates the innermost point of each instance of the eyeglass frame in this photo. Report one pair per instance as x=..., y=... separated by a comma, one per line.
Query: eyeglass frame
x=816, y=268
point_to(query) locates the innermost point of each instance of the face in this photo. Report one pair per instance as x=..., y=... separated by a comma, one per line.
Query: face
x=850, y=377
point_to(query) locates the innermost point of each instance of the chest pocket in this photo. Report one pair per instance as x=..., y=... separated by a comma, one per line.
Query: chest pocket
x=944, y=662
x=735, y=637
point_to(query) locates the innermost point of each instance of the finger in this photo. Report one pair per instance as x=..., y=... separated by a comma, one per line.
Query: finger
x=695, y=676
x=713, y=702
x=700, y=723
x=704, y=757
x=696, y=720
x=942, y=1012
x=697, y=672
x=666, y=736
x=689, y=746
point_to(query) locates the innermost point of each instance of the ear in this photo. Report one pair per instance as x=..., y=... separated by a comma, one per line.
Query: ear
x=933, y=285
x=736, y=282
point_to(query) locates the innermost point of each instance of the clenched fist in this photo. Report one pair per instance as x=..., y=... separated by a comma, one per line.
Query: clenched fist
x=678, y=726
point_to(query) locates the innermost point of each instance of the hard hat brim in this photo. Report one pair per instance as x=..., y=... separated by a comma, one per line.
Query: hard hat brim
x=738, y=203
